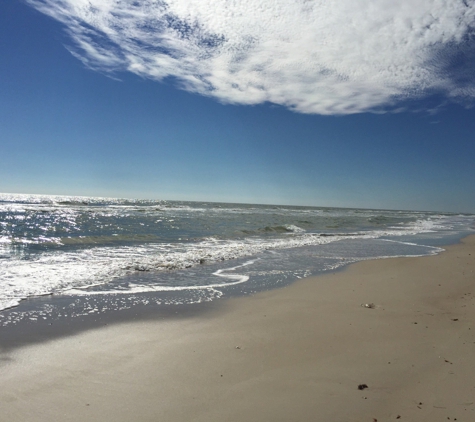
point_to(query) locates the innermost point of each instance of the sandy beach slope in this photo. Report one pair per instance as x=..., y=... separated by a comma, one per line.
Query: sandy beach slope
x=294, y=354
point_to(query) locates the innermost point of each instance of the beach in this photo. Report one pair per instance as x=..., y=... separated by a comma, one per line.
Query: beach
x=310, y=351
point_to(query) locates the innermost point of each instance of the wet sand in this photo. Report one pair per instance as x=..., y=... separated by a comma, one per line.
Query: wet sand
x=294, y=354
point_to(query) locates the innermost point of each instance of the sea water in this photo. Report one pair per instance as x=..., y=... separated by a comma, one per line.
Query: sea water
x=111, y=254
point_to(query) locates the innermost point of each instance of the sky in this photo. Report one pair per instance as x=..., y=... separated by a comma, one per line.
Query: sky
x=348, y=103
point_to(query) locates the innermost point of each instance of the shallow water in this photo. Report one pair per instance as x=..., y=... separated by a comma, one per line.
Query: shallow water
x=109, y=254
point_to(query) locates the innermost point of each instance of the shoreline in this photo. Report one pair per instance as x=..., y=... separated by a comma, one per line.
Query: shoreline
x=35, y=326
x=293, y=353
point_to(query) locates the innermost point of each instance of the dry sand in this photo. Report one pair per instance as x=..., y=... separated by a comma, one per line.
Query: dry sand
x=293, y=354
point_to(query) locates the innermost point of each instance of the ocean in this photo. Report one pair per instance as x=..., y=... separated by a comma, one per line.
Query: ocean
x=105, y=255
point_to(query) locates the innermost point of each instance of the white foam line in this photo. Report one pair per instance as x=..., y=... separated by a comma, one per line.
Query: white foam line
x=150, y=288
x=414, y=244
x=369, y=258
x=241, y=277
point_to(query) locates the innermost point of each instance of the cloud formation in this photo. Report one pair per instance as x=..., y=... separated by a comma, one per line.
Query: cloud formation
x=312, y=56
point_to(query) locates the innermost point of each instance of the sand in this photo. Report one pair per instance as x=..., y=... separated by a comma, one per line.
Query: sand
x=294, y=354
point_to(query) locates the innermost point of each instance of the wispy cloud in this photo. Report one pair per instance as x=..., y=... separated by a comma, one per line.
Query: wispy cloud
x=312, y=56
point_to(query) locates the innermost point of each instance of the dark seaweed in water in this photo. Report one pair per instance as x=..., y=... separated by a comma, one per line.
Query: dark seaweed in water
x=383, y=220
x=276, y=229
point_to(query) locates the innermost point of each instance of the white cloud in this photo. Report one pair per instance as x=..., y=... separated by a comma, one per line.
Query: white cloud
x=313, y=56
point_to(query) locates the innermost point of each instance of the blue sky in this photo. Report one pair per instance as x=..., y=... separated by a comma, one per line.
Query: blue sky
x=202, y=113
